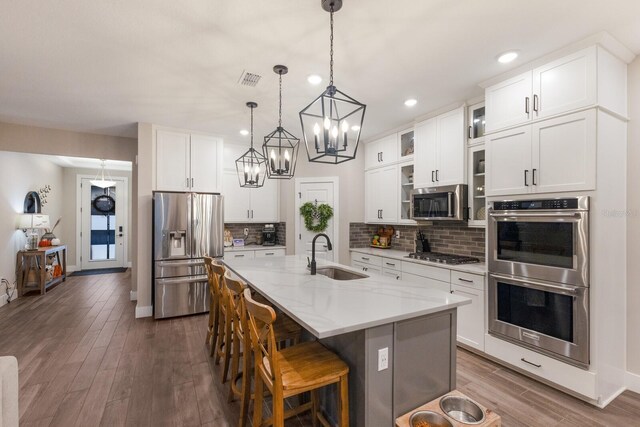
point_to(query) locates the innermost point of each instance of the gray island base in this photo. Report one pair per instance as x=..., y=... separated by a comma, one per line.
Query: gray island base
x=358, y=318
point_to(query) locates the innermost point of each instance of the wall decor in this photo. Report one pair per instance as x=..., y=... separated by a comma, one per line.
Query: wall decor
x=318, y=214
x=32, y=203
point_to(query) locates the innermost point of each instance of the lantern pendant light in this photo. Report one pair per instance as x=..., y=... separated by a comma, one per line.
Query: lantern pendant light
x=332, y=123
x=251, y=165
x=280, y=147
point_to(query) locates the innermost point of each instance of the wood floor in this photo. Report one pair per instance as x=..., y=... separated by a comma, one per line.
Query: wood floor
x=86, y=361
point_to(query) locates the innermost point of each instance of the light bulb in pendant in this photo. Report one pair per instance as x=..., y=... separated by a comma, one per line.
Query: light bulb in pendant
x=316, y=129
x=345, y=126
x=327, y=123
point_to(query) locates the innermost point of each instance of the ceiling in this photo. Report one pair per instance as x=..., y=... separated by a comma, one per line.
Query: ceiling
x=86, y=163
x=103, y=66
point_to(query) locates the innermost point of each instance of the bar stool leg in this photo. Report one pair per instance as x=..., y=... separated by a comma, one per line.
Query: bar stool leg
x=257, y=400
x=278, y=407
x=314, y=408
x=228, y=338
x=245, y=398
x=235, y=365
x=343, y=401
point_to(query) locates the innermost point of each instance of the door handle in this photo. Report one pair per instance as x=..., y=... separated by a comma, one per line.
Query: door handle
x=192, y=182
x=465, y=280
x=432, y=180
x=535, y=103
x=187, y=183
x=526, y=171
x=381, y=213
x=381, y=158
x=526, y=105
x=248, y=214
x=251, y=213
x=533, y=177
x=470, y=134
x=437, y=179
x=530, y=363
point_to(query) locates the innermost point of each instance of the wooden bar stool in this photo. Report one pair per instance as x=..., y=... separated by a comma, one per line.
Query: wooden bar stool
x=214, y=272
x=291, y=371
x=285, y=330
x=222, y=329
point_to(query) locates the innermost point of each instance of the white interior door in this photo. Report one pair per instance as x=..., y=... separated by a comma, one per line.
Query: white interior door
x=317, y=191
x=103, y=225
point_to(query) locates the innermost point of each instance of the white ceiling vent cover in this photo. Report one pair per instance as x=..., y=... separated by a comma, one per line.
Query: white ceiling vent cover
x=249, y=79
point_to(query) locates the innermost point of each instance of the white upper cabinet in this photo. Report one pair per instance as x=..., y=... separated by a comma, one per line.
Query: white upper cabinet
x=566, y=84
x=172, y=161
x=206, y=164
x=381, y=152
x=508, y=103
x=381, y=195
x=188, y=162
x=265, y=202
x=554, y=155
x=440, y=150
x=237, y=201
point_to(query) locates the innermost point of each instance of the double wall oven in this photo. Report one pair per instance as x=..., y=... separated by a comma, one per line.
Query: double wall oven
x=538, y=259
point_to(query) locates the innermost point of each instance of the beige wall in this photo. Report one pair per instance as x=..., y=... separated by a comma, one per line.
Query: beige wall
x=633, y=221
x=19, y=174
x=71, y=213
x=144, y=171
x=351, y=184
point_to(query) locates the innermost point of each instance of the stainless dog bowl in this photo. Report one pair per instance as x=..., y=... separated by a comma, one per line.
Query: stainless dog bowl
x=428, y=419
x=462, y=409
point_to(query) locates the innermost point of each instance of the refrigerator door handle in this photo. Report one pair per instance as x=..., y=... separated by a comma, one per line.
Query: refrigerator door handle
x=178, y=280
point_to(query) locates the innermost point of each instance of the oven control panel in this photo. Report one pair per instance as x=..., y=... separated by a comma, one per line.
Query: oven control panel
x=540, y=204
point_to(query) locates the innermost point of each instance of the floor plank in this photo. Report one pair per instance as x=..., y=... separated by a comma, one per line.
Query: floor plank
x=85, y=360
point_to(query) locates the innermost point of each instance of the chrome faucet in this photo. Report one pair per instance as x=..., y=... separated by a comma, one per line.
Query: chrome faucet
x=312, y=264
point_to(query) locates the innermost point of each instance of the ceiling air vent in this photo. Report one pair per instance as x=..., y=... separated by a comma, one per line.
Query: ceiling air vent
x=249, y=79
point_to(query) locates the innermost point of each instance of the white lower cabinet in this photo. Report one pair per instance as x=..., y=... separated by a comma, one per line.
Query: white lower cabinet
x=426, y=281
x=257, y=253
x=366, y=267
x=394, y=274
x=264, y=253
x=470, y=317
x=240, y=255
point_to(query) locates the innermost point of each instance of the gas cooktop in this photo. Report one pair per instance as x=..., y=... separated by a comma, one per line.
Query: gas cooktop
x=443, y=258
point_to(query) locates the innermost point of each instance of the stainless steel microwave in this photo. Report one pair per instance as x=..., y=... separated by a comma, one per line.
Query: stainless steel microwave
x=446, y=203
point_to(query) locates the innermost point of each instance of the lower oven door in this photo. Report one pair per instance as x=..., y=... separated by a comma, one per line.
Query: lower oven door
x=547, y=317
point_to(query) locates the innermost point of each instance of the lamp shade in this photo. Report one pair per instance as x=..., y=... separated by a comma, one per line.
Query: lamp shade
x=27, y=221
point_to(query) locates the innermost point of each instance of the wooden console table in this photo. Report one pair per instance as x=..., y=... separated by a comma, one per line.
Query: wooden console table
x=36, y=260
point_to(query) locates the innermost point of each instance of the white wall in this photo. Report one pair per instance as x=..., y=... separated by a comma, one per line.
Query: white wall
x=19, y=174
x=351, y=177
x=71, y=213
x=633, y=220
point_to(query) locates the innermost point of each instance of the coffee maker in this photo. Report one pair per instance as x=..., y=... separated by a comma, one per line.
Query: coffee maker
x=268, y=235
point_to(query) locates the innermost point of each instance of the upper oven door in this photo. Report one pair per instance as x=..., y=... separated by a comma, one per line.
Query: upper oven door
x=545, y=245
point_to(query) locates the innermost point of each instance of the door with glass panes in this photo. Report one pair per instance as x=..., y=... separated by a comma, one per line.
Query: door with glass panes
x=103, y=222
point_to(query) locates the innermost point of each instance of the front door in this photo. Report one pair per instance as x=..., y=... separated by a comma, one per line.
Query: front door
x=316, y=191
x=103, y=224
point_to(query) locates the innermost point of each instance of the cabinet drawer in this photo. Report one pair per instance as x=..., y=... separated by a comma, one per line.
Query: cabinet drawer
x=467, y=279
x=576, y=379
x=270, y=253
x=442, y=274
x=391, y=264
x=367, y=259
x=240, y=255
x=394, y=274
x=427, y=282
x=366, y=267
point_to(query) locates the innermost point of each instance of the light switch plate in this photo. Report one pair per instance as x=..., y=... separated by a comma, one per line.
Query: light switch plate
x=383, y=359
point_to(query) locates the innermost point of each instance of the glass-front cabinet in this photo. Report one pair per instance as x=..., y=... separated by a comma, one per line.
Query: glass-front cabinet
x=475, y=130
x=406, y=185
x=477, y=199
x=405, y=143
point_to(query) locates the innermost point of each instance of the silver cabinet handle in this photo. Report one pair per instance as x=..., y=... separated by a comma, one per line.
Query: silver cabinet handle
x=526, y=172
x=526, y=105
x=535, y=103
x=530, y=363
x=465, y=280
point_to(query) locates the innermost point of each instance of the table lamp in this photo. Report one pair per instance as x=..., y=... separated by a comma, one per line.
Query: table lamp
x=29, y=223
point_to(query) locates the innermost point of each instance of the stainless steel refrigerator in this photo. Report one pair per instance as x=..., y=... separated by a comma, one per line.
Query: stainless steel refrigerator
x=186, y=227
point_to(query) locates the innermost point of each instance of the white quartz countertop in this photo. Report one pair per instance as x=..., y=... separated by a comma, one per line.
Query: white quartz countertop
x=327, y=307
x=252, y=247
x=475, y=268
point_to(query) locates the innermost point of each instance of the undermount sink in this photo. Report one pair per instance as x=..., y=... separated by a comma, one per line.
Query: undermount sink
x=336, y=273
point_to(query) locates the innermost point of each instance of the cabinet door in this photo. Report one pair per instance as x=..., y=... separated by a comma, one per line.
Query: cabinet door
x=371, y=196
x=426, y=281
x=394, y=274
x=386, y=194
x=265, y=202
x=470, y=317
x=451, y=148
x=172, y=161
x=566, y=84
x=236, y=199
x=206, y=164
x=372, y=154
x=564, y=153
x=508, y=162
x=265, y=253
x=426, y=139
x=239, y=255
x=508, y=103
x=389, y=149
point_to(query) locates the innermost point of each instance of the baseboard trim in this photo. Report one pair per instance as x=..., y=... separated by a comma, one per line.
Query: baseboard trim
x=146, y=311
x=633, y=382
x=133, y=296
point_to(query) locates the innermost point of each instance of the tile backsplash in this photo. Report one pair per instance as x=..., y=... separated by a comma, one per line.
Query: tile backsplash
x=453, y=238
x=255, y=232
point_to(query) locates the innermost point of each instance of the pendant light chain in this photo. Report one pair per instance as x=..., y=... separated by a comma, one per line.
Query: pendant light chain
x=252, y=127
x=280, y=102
x=331, y=51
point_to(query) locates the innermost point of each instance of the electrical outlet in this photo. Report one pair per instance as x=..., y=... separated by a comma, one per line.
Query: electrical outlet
x=246, y=232
x=397, y=234
x=383, y=359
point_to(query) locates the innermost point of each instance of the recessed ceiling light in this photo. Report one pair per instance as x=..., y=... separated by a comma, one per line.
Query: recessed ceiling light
x=355, y=128
x=244, y=132
x=410, y=102
x=507, y=57
x=314, y=79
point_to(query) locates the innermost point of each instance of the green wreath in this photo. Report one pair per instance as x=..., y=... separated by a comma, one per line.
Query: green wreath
x=321, y=213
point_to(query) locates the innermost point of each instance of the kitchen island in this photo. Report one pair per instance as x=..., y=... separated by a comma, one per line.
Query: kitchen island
x=358, y=318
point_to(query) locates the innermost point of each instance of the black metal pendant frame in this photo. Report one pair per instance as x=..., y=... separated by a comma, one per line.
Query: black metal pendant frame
x=251, y=166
